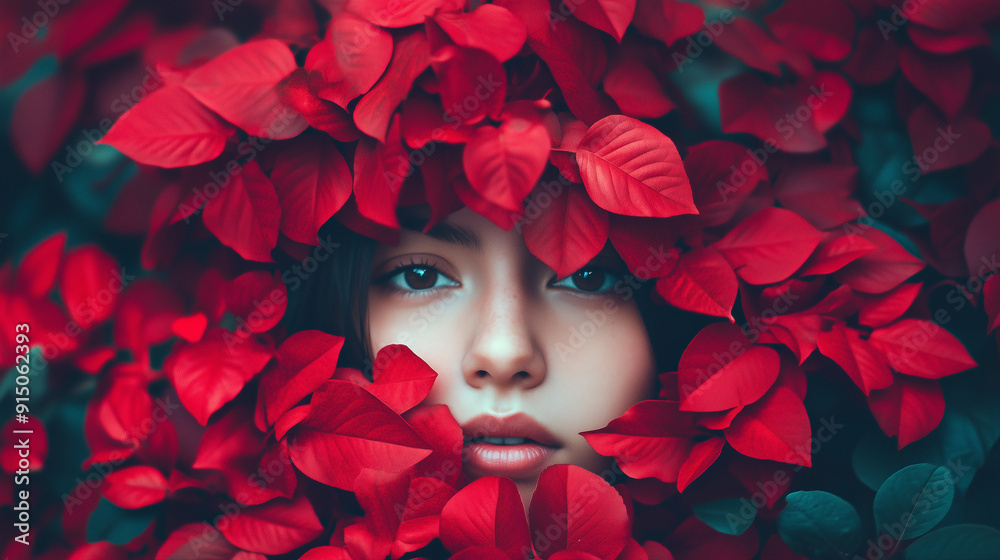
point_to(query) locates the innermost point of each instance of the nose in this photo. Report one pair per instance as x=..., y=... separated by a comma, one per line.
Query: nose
x=504, y=351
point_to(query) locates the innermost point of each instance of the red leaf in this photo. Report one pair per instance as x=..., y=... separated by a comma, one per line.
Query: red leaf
x=169, y=128
x=945, y=42
x=245, y=215
x=135, y=487
x=209, y=373
x=652, y=439
x=421, y=517
x=991, y=302
x=90, y=283
x=823, y=28
x=298, y=92
x=351, y=58
x=946, y=80
x=304, y=361
x=381, y=495
x=835, y=252
x=694, y=540
x=881, y=270
x=348, y=429
x=952, y=15
x=875, y=59
x=769, y=246
x=866, y=367
x=489, y=27
x=42, y=119
x=939, y=143
x=387, y=13
x=487, y=512
x=746, y=40
x=880, y=310
x=276, y=527
x=631, y=168
x=720, y=369
x=504, y=163
x=258, y=300
x=401, y=379
x=567, y=232
x=190, y=328
x=610, y=16
x=702, y=282
x=775, y=428
x=792, y=118
x=720, y=181
x=379, y=172
x=822, y=194
x=241, y=86
x=472, y=84
x=982, y=243
x=146, y=312
x=703, y=454
x=909, y=408
x=36, y=274
x=586, y=513
x=410, y=56
x=198, y=541
x=636, y=89
x=921, y=348
x=313, y=182
x=668, y=20
x=436, y=426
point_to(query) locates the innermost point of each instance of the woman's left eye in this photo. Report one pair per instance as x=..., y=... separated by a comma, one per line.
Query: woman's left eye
x=590, y=280
x=415, y=278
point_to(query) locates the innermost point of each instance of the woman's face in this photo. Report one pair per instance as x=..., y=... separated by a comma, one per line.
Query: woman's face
x=525, y=361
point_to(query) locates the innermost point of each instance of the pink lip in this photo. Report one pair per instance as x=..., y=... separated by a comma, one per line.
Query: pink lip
x=524, y=460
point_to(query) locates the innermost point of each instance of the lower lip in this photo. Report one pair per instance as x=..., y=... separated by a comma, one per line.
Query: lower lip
x=514, y=461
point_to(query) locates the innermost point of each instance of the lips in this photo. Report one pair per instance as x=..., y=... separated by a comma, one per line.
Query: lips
x=515, y=446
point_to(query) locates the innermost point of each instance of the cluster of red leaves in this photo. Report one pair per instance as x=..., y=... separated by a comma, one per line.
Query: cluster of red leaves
x=438, y=103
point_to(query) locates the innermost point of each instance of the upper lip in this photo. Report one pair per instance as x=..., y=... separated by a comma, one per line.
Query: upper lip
x=518, y=425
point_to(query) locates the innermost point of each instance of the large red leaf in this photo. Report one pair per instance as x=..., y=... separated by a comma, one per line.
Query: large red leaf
x=401, y=379
x=487, y=512
x=135, y=487
x=276, y=527
x=909, y=408
x=305, y=360
x=567, y=232
x=241, y=85
x=169, y=128
x=631, y=168
x=651, y=439
x=866, y=367
x=720, y=369
x=504, y=163
x=610, y=16
x=775, y=428
x=921, y=348
x=313, y=182
x=769, y=246
x=348, y=429
x=90, y=282
x=209, y=373
x=245, y=215
x=489, y=27
x=351, y=58
x=576, y=510
x=410, y=56
x=703, y=282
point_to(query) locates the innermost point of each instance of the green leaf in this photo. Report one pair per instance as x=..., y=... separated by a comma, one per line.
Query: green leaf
x=913, y=500
x=968, y=542
x=730, y=516
x=818, y=524
x=117, y=525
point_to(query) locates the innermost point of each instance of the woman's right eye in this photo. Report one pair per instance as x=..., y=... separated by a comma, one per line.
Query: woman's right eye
x=415, y=278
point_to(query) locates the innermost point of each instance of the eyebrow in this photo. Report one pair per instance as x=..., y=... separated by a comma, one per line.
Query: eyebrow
x=454, y=234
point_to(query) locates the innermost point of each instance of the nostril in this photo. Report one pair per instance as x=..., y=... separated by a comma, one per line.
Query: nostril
x=521, y=375
x=481, y=374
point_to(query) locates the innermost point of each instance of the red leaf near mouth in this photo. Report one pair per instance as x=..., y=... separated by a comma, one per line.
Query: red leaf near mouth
x=568, y=232
x=721, y=369
x=651, y=439
x=909, y=408
x=304, y=361
x=769, y=246
x=276, y=527
x=921, y=348
x=866, y=367
x=631, y=168
x=313, y=183
x=245, y=215
x=588, y=514
x=487, y=512
x=774, y=428
x=348, y=429
x=401, y=379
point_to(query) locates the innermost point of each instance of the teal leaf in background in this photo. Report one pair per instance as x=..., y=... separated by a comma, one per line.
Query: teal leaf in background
x=117, y=525
x=964, y=542
x=820, y=525
x=913, y=500
x=729, y=516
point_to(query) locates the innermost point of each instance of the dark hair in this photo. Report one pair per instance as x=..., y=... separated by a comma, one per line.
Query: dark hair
x=334, y=299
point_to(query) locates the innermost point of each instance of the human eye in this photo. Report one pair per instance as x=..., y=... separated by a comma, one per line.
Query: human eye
x=415, y=277
x=590, y=279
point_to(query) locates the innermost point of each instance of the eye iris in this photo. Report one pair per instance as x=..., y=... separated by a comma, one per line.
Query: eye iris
x=420, y=278
x=589, y=280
